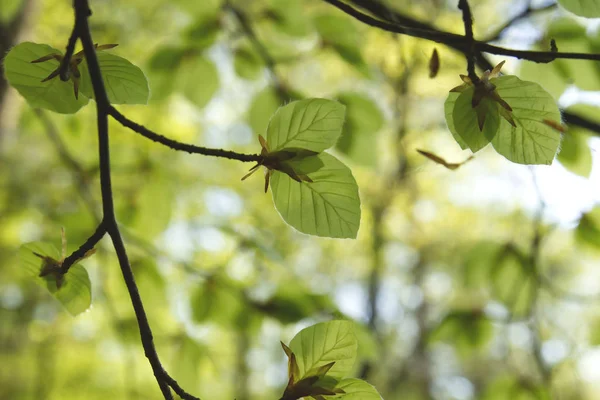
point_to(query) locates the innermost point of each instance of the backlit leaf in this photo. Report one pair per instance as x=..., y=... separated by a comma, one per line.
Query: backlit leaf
x=323, y=343
x=54, y=94
x=329, y=206
x=311, y=124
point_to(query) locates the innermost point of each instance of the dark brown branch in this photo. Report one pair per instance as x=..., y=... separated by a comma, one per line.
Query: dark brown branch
x=463, y=5
x=456, y=43
x=65, y=71
x=459, y=41
x=175, y=145
x=84, y=248
x=109, y=222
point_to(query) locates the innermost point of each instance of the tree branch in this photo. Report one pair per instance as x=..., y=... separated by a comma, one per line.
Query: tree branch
x=65, y=72
x=109, y=222
x=463, y=5
x=451, y=40
x=84, y=248
x=175, y=145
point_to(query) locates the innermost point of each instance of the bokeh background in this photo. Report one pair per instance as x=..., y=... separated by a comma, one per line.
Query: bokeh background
x=477, y=283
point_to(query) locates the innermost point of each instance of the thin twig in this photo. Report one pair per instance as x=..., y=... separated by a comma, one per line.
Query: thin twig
x=175, y=145
x=84, y=248
x=65, y=71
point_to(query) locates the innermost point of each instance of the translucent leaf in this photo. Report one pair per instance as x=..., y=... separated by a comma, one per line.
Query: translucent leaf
x=583, y=8
x=203, y=32
x=448, y=111
x=465, y=122
x=575, y=153
x=514, y=281
x=533, y=141
x=588, y=230
x=329, y=206
x=125, y=83
x=54, y=94
x=323, y=343
x=357, y=389
x=75, y=292
x=247, y=63
x=359, y=137
x=217, y=300
x=198, y=79
x=311, y=124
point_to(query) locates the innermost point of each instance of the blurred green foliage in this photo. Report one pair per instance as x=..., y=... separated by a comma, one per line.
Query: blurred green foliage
x=449, y=297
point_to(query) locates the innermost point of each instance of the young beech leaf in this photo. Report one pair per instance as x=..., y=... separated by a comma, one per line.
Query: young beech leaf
x=325, y=203
x=321, y=344
x=434, y=64
x=534, y=139
x=357, y=389
x=34, y=81
x=311, y=124
x=439, y=160
x=125, y=83
x=40, y=262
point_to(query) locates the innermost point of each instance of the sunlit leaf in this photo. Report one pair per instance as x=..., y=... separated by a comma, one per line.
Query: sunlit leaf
x=357, y=389
x=514, y=282
x=125, y=83
x=323, y=343
x=75, y=292
x=311, y=124
x=532, y=141
x=588, y=230
x=247, y=63
x=329, y=206
x=198, y=79
x=583, y=8
x=575, y=153
x=54, y=94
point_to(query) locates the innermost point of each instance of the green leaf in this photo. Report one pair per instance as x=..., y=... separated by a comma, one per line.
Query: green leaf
x=293, y=303
x=583, y=8
x=356, y=389
x=311, y=124
x=125, y=83
x=448, y=112
x=263, y=106
x=511, y=387
x=588, y=229
x=464, y=119
x=167, y=58
x=329, y=206
x=247, y=63
x=323, y=343
x=9, y=9
x=217, y=300
x=575, y=153
x=75, y=293
x=532, y=141
x=198, y=79
x=359, y=137
x=340, y=33
x=54, y=95
x=203, y=32
x=153, y=207
x=467, y=330
x=513, y=281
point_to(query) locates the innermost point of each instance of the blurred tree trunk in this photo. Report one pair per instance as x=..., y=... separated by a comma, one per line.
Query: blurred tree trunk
x=10, y=32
